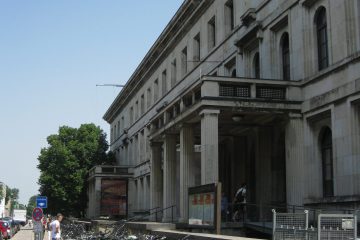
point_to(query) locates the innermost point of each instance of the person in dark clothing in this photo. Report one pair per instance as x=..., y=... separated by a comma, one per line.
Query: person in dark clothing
x=239, y=202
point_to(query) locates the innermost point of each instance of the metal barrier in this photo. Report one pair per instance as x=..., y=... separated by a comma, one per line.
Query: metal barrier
x=292, y=226
x=337, y=226
x=295, y=234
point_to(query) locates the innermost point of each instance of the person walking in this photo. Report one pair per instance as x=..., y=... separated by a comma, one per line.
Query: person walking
x=239, y=203
x=48, y=227
x=55, y=227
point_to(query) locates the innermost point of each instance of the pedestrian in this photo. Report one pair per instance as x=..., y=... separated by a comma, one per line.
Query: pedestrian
x=48, y=227
x=55, y=227
x=239, y=202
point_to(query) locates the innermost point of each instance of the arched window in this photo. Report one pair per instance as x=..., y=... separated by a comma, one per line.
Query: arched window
x=256, y=65
x=327, y=162
x=285, y=54
x=322, y=39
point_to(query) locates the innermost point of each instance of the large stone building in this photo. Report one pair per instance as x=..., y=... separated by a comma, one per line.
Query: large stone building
x=265, y=92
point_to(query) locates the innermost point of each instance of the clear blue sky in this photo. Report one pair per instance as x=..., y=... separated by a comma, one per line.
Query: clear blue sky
x=52, y=54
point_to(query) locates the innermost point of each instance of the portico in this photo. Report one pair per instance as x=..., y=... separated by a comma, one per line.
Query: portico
x=212, y=141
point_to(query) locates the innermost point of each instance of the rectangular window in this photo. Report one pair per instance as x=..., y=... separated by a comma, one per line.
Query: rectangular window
x=136, y=150
x=173, y=73
x=123, y=122
x=131, y=115
x=196, y=57
x=112, y=135
x=142, y=105
x=156, y=90
x=142, y=148
x=184, y=62
x=136, y=110
x=212, y=33
x=119, y=132
x=229, y=16
x=148, y=98
x=164, y=83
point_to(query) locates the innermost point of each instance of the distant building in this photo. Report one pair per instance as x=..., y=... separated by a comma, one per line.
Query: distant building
x=267, y=91
x=2, y=199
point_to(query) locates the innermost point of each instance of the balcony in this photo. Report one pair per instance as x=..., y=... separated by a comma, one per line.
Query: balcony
x=110, y=171
x=244, y=96
x=244, y=90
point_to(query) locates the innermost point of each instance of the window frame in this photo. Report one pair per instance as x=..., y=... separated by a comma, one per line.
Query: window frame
x=285, y=56
x=326, y=147
x=322, y=38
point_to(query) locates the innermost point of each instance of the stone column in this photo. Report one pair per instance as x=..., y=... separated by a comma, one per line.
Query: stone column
x=294, y=145
x=169, y=177
x=139, y=194
x=209, y=146
x=156, y=184
x=187, y=178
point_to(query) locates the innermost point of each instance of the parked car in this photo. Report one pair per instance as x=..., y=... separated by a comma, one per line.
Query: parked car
x=5, y=229
x=12, y=226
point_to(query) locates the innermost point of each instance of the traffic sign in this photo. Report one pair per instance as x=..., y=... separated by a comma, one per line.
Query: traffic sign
x=37, y=214
x=41, y=202
x=38, y=227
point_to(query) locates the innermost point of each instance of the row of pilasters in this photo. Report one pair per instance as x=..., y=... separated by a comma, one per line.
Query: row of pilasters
x=169, y=177
x=163, y=182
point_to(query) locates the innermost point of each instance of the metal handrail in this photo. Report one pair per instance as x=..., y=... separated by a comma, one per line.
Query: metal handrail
x=155, y=213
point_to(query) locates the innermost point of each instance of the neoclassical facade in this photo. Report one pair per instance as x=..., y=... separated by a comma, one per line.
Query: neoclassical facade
x=265, y=92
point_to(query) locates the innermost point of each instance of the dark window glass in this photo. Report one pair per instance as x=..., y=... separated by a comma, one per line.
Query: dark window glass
x=327, y=163
x=285, y=52
x=257, y=65
x=322, y=40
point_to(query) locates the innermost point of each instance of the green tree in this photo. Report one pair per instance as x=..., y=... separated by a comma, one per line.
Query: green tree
x=64, y=165
x=2, y=192
x=12, y=195
x=8, y=195
x=31, y=205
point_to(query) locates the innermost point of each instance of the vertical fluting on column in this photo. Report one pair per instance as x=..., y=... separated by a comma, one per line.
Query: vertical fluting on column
x=294, y=144
x=186, y=175
x=209, y=146
x=156, y=184
x=169, y=177
x=139, y=194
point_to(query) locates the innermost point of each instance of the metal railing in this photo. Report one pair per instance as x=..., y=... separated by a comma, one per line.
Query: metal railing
x=154, y=211
x=260, y=216
x=337, y=226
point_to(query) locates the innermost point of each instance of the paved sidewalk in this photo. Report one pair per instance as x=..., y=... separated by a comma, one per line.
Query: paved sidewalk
x=26, y=233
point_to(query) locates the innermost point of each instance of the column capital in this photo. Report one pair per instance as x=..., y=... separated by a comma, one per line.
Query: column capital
x=293, y=115
x=209, y=112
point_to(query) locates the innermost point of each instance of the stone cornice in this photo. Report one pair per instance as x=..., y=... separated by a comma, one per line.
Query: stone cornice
x=188, y=13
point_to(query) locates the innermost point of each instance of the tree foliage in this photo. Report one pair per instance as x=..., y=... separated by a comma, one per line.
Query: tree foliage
x=31, y=205
x=64, y=165
x=12, y=195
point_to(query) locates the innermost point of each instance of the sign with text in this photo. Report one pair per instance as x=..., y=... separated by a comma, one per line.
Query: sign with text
x=202, y=206
x=38, y=227
x=41, y=202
